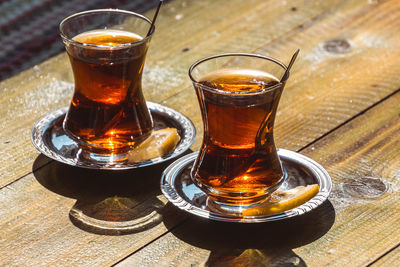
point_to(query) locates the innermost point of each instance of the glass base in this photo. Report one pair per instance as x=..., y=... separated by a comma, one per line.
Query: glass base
x=235, y=203
x=229, y=208
x=109, y=159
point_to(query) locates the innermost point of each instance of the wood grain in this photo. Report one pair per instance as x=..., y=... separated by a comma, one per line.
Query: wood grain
x=205, y=28
x=392, y=259
x=37, y=228
x=328, y=88
x=23, y=100
x=362, y=158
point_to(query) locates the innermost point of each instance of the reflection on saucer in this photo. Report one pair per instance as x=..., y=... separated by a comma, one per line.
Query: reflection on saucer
x=116, y=215
x=179, y=189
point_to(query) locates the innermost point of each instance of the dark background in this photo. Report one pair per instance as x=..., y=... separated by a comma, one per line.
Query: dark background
x=29, y=28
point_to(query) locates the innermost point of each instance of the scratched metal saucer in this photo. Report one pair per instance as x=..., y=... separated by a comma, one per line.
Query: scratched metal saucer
x=179, y=189
x=49, y=138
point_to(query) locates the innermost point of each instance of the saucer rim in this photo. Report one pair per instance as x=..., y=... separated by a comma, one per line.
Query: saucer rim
x=318, y=172
x=43, y=124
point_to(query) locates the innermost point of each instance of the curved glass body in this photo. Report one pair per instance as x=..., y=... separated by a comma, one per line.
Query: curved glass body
x=238, y=164
x=107, y=49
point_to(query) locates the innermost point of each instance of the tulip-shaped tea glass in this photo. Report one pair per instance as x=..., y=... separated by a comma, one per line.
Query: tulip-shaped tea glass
x=238, y=165
x=108, y=113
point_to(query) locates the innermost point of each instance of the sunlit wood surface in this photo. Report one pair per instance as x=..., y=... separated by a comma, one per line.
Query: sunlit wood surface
x=340, y=107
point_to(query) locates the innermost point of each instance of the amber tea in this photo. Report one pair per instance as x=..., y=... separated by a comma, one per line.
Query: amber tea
x=108, y=113
x=238, y=162
x=108, y=110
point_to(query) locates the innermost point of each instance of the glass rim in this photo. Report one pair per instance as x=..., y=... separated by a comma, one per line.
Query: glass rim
x=111, y=10
x=261, y=91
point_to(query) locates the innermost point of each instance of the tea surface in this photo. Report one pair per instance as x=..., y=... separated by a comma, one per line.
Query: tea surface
x=107, y=37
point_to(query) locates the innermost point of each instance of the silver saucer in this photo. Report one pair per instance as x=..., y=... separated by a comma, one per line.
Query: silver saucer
x=179, y=189
x=49, y=138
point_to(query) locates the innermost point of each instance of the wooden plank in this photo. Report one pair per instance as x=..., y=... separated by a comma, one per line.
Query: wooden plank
x=342, y=83
x=219, y=27
x=363, y=160
x=359, y=223
x=328, y=88
x=205, y=28
x=391, y=259
x=37, y=228
x=23, y=100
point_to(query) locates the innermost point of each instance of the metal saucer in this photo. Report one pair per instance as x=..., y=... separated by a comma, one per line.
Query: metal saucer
x=49, y=138
x=179, y=189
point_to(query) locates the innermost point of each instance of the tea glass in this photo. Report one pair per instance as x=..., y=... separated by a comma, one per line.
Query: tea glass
x=238, y=165
x=108, y=114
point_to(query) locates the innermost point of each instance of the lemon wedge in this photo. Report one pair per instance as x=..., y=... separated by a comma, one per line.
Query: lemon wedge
x=281, y=201
x=158, y=144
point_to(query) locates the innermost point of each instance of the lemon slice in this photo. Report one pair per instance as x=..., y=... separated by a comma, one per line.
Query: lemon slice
x=281, y=201
x=158, y=144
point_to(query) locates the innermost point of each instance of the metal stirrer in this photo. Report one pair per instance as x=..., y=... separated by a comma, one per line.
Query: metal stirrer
x=290, y=64
x=155, y=17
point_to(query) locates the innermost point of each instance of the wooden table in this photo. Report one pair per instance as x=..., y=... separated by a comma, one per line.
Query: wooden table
x=340, y=108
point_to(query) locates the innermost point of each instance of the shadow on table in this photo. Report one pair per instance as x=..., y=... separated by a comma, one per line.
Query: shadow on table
x=107, y=202
x=262, y=244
